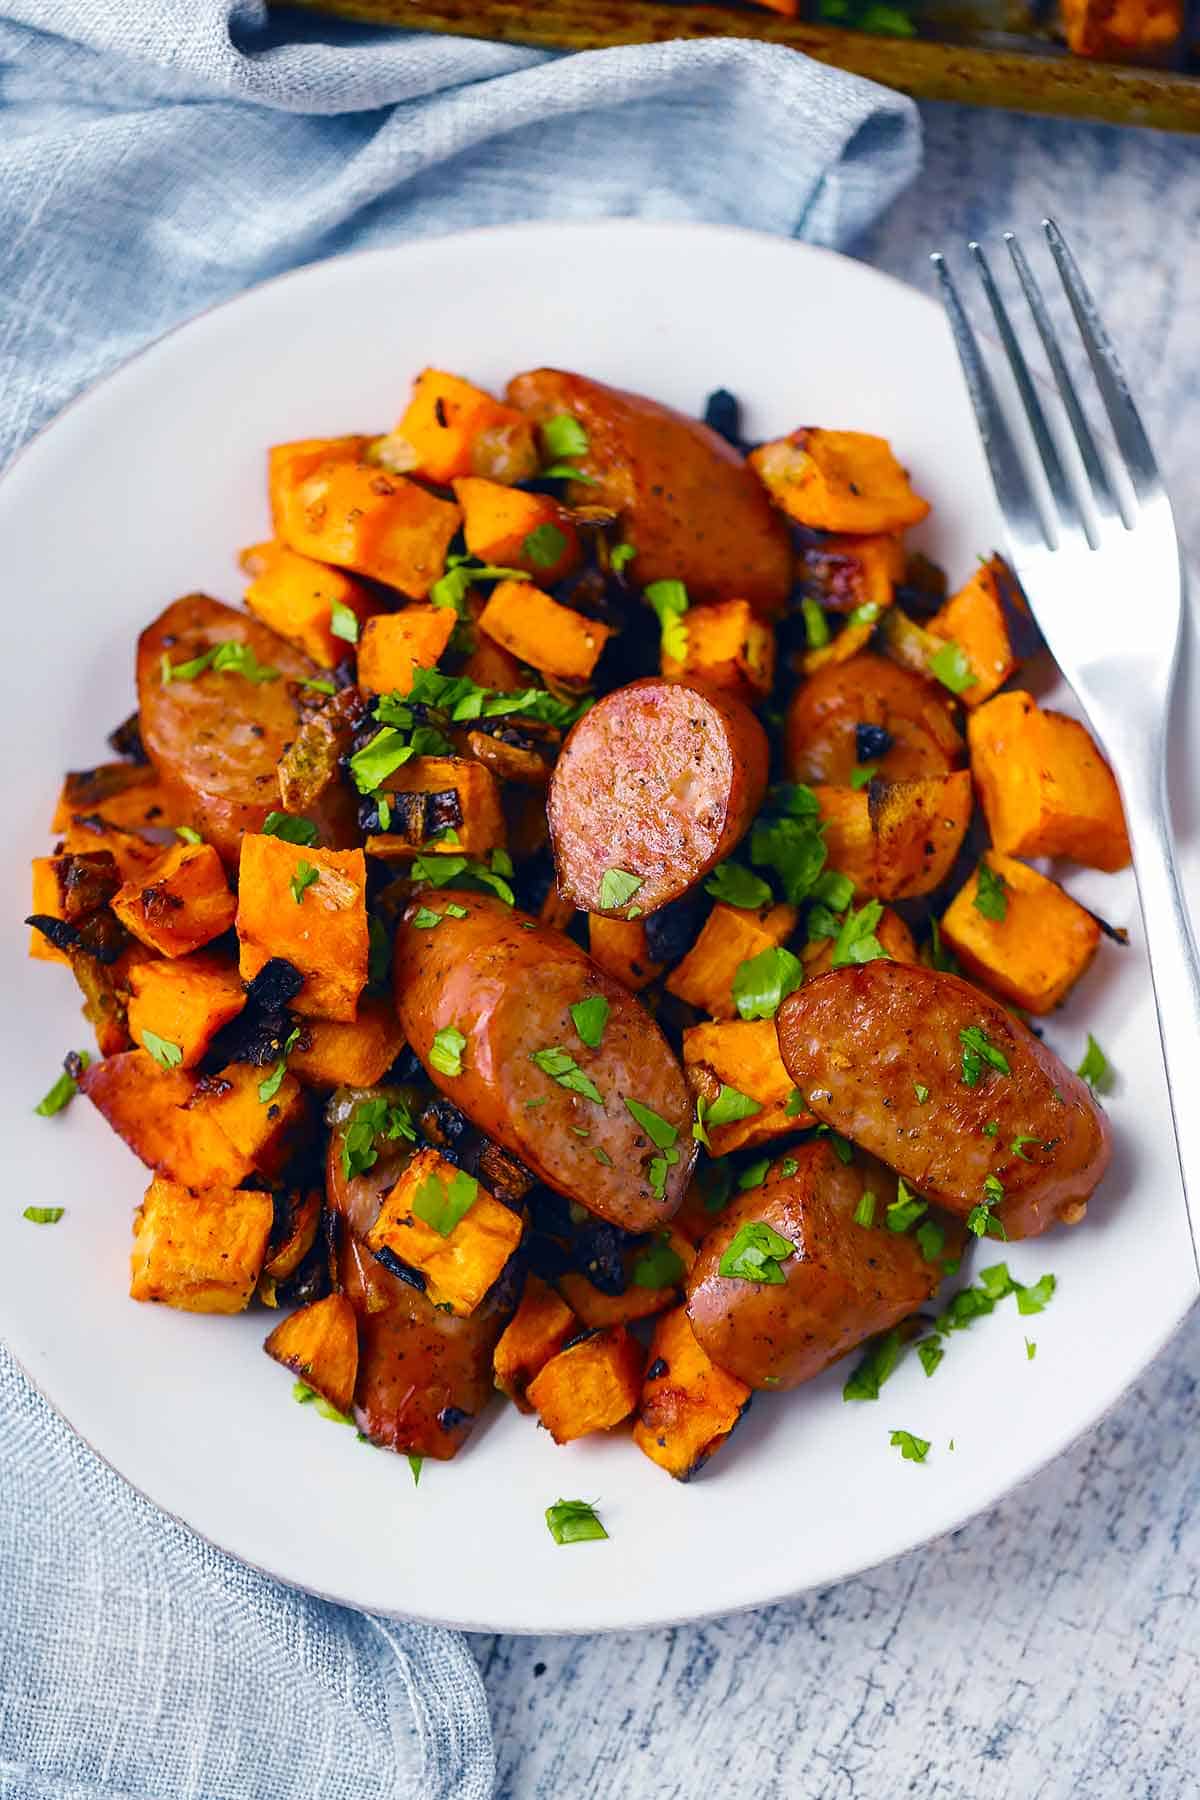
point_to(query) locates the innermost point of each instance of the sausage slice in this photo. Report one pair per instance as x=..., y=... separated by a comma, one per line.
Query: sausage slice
x=860, y=1042
x=842, y=1283
x=506, y=984
x=657, y=782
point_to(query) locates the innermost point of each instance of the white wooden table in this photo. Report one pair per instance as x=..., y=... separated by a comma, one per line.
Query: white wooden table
x=1049, y=1649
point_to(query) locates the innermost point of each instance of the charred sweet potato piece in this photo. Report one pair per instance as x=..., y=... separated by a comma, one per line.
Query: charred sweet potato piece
x=1123, y=30
x=537, y=1331
x=444, y=804
x=725, y=646
x=891, y=931
x=199, y=1250
x=319, y=1344
x=85, y=833
x=654, y=1276
x=185, y=1002
x=318, y=925
x=395, y=645
x=340, y=1053
x=619, y=947
x=977, y=620
x=1045, y=788
x=868, y=712
x=516, y=530
x=838, y=481
x=265, y=1132
x=297, y=597
x=129, y=795
x=441, y=1222
x=1036, y=951
x=105, y=990
x=289, y=465
x=147, y=1106
x=689, y=1406
x=590, y=1387
x=293, y=1235
x=731, y=936
x=180, y=903
x=843, y=573
x=539, y=631
x=75, y=889
x=743, y=1054
x=358, y=517
x=896, y=839
x=452, y=428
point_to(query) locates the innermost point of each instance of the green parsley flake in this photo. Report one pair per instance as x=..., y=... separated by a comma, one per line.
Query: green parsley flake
x=444, y=871
x=921, y=1091
x=561, y=1066
x=658, y=1267
x=291, y=828
x=931, y=1240
x=1037, y=1298
x=617, y=888
x=863, y=775
x=796, y=1104
x=545, y=545
x=931, y=1351
x=730, y=1105
x=992, y=1128
x=912, y=1449
x=754, y=1174
x=762, y=983
x=868, y=1376
x=736, y=886
x=866, y=614
x=442, y=1204
x=445, y=1053
x=978, y=1049
x=590, y=1016
x=816, y=625
x=373, y=1122
x=670, y=602
x=864, y=1212
x=1095, y=1067
x=302, y=880
x=856, y=941
x=165, y=1054
x=991, y=895
x=1030, y=1349
x=189, y=835
x=620, y=556
x=906, y=1208
x=791, y=847
x=950, y=666
x=318, y=684
x=229, y=658
x=574, y=1521
x=343, y=622
x=65, y=1088
x=834, y=890
x=756, y=1253
x=563, y=436
x=416, y=1464
x=659, y=1130
x=43, y=1215
x=425, y=919
x=306, y=1396
x=268, y=1089
x=1016, y=1148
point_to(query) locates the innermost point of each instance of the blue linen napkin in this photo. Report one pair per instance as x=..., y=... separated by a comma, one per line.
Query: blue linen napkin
x=157, y=156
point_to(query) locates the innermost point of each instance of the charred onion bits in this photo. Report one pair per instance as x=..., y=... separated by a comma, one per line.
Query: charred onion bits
x=515, y=942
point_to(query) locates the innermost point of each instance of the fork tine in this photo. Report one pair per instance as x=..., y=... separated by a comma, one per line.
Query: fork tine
x=1065, y=500
x=1114, y=389
x=1017, y=503
x=1097, y=474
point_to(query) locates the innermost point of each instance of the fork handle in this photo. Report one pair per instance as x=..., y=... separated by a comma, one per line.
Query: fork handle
x=1175, y=972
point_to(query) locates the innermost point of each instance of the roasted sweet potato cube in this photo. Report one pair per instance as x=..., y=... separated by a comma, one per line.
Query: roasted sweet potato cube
x=743, y=1054
x=843, y=573
x=319, y=1344
x=689, y=1406
x=180, y=903
x=654, y=1275
x=85, y=833
x=105, y=990
x=395, y=645
x=336, y=1053
x=537, y=1331
x=1124, y=30
x=977, y=620
x=296, y=597
x=590, y=1387
x=289, y=465
x=838, y=481
x=185, y=1001
x=451, y=428
x=515, y=530
x=896, y=839
x=539, y=631
x=147, y=1106
x=725, y=646
x=266, y=1132
x=358, y=517
x=891, y=931
x=421, y=1225
x=319, y=926
x=849, y=836
x=445, y=804
x=199, y=1249
x=73, y=888
x=1046, y=789
x=731, y=936
x=620, y=948
x=1037, y=951
x=127, y=794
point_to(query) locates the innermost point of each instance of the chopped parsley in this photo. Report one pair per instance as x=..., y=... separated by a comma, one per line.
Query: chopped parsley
x=302, y=880
x=165, y=1054
x=450, y=589
x=65, y=1088
x=545, y=545
x=866, y=614
x=620, y=556
x=921, y=1091
x=563, y=435
x=736, y=886
x=590, y=1016
x=343, y=621
x=373, y=1122
x=415, y=1464
x=816, y=625
x=574, y=1521
x=444, y=871
x=1095, y=1067
x=864, y=1212
x=992, y=1128
x=229, y=658
x=991, y=895
x=443, y=1204
x=43, y=1215
x=617, y=888
x=950, y=666
x=931, y=1239
x=670, y=602
x=1037, y=1298
x=291, y=828
x=756, y=1253
x=445, y=1053
x=931, y=1351
x=425, y=919
x=863, y=775
x=980, y=1219
x=662, y=1135
x=730, y=1105
x=763, y=982
x=1030, y=1349
x=787, y=838
x=268, y=1089
x=796, y=1104
x=978, y=1049
x=189, y=834
x=912, y=1449
x=869, y=1375
x=307, y=1396
x=658, y=1267
x=754, y=1174
x=856, y=941
x=906, y=1208
x=1016, y=1148
x=561, y=1066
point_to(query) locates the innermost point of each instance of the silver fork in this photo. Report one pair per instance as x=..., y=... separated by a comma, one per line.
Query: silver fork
x=1081, y=576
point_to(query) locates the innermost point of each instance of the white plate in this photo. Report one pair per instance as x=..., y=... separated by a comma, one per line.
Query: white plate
x=145, y=489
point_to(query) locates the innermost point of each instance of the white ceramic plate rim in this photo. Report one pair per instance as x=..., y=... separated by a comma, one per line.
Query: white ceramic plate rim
x=624, y=238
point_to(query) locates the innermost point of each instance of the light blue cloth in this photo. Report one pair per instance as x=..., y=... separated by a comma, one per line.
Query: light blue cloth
x=157, y=156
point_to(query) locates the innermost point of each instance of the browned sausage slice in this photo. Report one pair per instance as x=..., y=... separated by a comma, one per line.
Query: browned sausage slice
x=507, y=983
x=424, y=1376
x=688, y=502
x=859, y=1042
x=216, y=739
x=658, y=782
x=869, y=710
x=842, y=1283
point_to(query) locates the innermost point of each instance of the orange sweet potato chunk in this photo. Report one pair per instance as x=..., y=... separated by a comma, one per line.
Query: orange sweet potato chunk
x=451, y=428
x=180, y=903
x=539, y=631
x=185, y=1002
x=1123, y=30
x=731, y=936
x=358, y=517
x=73, y=888
x=975, y=619
x=85, y=833
x=1036, y=953
x=839, y=481
x=896, y=839
x=319, y=1344
x=266, y=1132
x=515, y=530
x=460, y=1264
x=843, y=573
x=743, y=1054
x=689, y=1406
x=395, y=645
x=289, y=465
x=297, y=597
x=320, y=926
x=537, y=1331
x=1046, y=789
x=199, y=1251
x=640, y=1300
x=620, y=947
x=337, y=1053
x=590, y=1387
x=725, y=646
